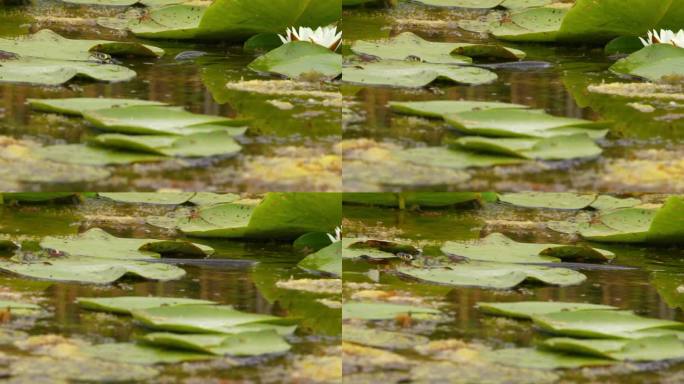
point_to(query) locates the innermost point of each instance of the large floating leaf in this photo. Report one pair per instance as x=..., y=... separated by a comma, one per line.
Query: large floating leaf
x=100, y=244
x=161, y=198
x=601, y=324
x=410, y=46
x=499, y=248
x=653, y=62
x=640, y=225
x=645, y=349
x=541, y=359
x=76, y=106
x=235, y=20
x=215, y=143
x=380, y=311
x=299, y=58
x=91, y=270
x=414, y=74
x=281, y=215
x=124, y=3
x=126, y=304
x=493, y=275
x=328, y=260
x=527, y=309
x=382, y=339
x=54, y=72
x=92, y=155
x=560, y=200
x=443, y=157
x=551, y=148
x=520, y=123
x=157, y=120
x=210, y=319
x=440, y=108
x=18, y=308
x=242, y=344
x=142, y=354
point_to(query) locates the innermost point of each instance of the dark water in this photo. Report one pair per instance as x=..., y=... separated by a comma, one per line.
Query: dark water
x=649, y=290
x=309, y=130
x=638, y=142
x=249, y=287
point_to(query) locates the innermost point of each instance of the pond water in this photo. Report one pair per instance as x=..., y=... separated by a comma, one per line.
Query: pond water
x=648, y=288
x=246, y=279
x=640, y=153
x=283, y=149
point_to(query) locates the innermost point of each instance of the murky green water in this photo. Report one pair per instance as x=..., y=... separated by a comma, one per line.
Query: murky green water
x=246, y=279
x=290, y=138
x=638, y=147
x=649, y=290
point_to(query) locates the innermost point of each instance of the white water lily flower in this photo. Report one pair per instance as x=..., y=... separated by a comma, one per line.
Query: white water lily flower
x=337, y=237
x=664, y=37
x=324, y=36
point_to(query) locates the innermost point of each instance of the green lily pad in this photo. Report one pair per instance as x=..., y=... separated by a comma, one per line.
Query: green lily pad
x=242, y=344
x=409, y=46
x=157, y=120
x=443, y=157
x=414, y=74
x=519, y=123
x=76, y=106
x=55, y=72
x=92, y=155
x=312, y=241
x=328, y=260
x=640, y=225
x=381, y=311
x=234, y=20
x=158, y=198
x=440, y=108
x=493, y=275
x=531, y=25
x=91, y=270
x=141, y=354
x=381, y=339
x=125, y=304
x=527, y=309
x=665, y=347
x=552, y=148
x=47, y=44
x=477, y=4
x=278, y=215
x=601, y=324
x=216, y=143
x=606, y=203
x=653, y=62
x=210, y=198
x=299, y=58
x=541, y=359
x=124, y=3
x=210, y=319
x=550, y=200
x=97, y=243
x=497, y=247
x=374, y=249
x=19, y=309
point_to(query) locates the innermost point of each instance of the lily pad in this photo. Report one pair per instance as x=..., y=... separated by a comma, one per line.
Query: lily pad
x=601, y=324
x=124, y=3
x=381, y=339
x=414, y=74
x=91, y=270
x=541, y=359
x=328, y=260
x=242, y=344
x=498, y=248
x=18, y=308
x=409, y=46
x=381, y=311
x=606, y=202
x=443, y=157
x=477, y=4
x=278, y=215
x=653, y=62
x=527, y=309
x=550, y=200
x=55, y=72
x=157, y=120
x=76, y=106
x=374, y=249
x=440, y=108
x=216, y=143
x=125, y=304
x=97, y=243
x=665, y=347
x=141, y=354
x=640, y=225
x=551, y=148
x=92, y=155
x=234, y=20
x=157, y=198
x=210, y=319
x=493, y=275
x=299, y=58
x=519, y=123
